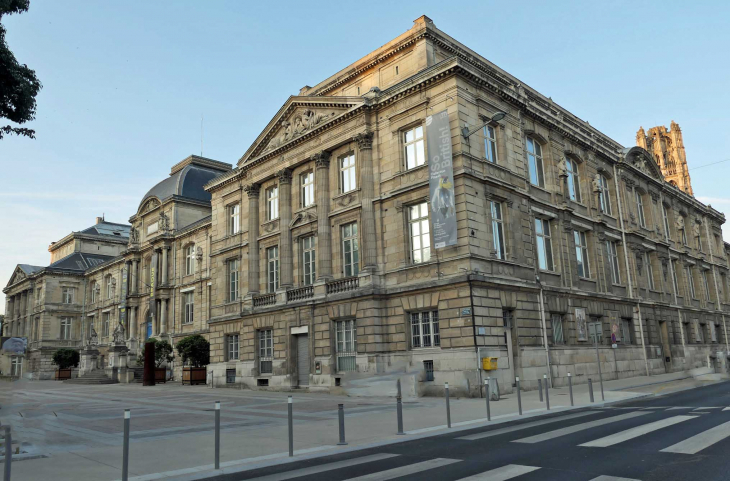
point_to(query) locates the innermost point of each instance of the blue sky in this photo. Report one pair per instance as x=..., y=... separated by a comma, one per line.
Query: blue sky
x=126, y=83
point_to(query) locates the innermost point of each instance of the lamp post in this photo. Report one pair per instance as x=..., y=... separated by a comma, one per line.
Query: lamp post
x=466, y=133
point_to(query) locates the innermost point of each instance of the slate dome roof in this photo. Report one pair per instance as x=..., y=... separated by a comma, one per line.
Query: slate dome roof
x=187, y=180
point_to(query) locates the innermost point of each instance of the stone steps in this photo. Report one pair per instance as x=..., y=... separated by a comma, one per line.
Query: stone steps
x=94, y=377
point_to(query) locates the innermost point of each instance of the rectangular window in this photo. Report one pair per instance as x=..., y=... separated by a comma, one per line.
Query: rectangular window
x=93, y=292
x=308, y=261
x=272, y=203
x=490, y=144
x=613, y=263
x=109, y=287
x=65, y=328
x=665, y=214
x=690, y=283
x=674, y=278
x=698, y=332
x=581, y=253
x=706, y=285
x=272, y=260
x=557, y=322
x=68, y=295
x=625, y=331
x=106, y=316
x=573, y=179
x=348, y=177
x=534, y=161
x=649, y=271
x=307, y=185
x=420, y=233
x=233, y=280
x=234, y=219
x=428, y=367
x=350, y=250
x=189, y=260
x=595, y=332
x=188, y=299
x=266, y=351
x=415, y=154
x=230, y=376
x=604, y=196
x=16, y=366
x=713, y=332
x=495, y=209
x=544, y=244
x=231, y=347
x=640, y=209
x=346, y=335
x=425, y=329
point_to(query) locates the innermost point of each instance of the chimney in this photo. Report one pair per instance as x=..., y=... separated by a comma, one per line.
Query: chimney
x=99, y=220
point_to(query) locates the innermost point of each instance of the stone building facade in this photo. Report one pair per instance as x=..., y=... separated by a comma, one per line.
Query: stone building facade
x=667, y=148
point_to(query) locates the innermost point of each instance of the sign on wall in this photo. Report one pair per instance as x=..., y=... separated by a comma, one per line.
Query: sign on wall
x=441, y=180
x=581, y=328
x=615, y=324
x=14, y=345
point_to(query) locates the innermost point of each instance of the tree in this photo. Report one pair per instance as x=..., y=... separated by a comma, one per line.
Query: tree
x=18, y=83
x=66, y=358
x=163, y=353
x=194, y=350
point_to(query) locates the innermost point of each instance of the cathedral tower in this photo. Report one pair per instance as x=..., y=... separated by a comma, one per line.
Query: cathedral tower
x=667, y=147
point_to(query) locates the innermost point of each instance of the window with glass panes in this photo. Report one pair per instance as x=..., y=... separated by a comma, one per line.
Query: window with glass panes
x=425, y=329
x=595, y=333
x=640, y=209
x=234, y=219
x=490, y=144
x=706, y=285
x=665, y=215
x=419, y=232
x=68, y=295
x=266, y=351
x=613, y=263
x=272, y=262
x=348, y=177
x=698, y=332
x=272, y=203
x=625, y=331
x=346, y=336
x=495, y=208
x=190, y=260
x=233, y=280
x=675, y=281
x=690, y=282
x=544, y=244
x=557, y=323
x=106, y=318
x=534, y=162
x=307, y=186
x=350, y=250
x=308, y=260
x=604, y=197
x=231, y=347
x=713, y=332
x=93, y=291
x=414, y=149
x=581, y=253
x=109, y=287
x=573, y=180
x=65, y=328
x=649, y=270
x=16, y=366
x=188, y=303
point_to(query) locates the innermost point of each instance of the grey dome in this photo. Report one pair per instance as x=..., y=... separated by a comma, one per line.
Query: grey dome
x=187, y=182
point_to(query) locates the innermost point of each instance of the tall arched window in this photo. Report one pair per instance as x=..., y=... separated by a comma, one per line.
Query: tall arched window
x=109, y=287
x=190, y=259
x=534, y=162
x=604, y=196
x=573, y=180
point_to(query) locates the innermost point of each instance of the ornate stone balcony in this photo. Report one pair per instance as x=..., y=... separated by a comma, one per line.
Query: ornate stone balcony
x=299, y=293
x=264, y=300
x=343, y=285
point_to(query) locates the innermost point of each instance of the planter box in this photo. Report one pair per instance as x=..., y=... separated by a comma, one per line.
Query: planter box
x=160, y=374
x=62, y=374
x=194, y=375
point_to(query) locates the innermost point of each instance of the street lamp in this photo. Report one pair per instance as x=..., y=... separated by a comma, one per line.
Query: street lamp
x=466, y=133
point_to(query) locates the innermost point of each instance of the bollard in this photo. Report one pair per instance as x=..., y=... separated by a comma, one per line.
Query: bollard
x=448, y=409
x=519, y=398
x=539, y=387
x=547, y=394
x=489, y=395
x=341, y=416
x=291, y=428
x=590, y=388
x=125, y=449
x=217, y=435
x=8, y=453
x=399, y=407
x=570, y=388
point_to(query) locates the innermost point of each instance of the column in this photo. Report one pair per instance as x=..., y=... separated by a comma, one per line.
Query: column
x=163, y=316
x=135, y=267
x=324, y=234
x=253, y=237
x=165, y=252
x=367, y=182
x=286, y=257
x=132, y=322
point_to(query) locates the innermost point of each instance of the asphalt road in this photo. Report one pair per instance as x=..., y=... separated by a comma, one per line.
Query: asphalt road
x=682, y=436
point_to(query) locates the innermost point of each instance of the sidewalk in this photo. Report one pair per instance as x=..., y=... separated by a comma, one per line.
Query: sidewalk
x=172, y=427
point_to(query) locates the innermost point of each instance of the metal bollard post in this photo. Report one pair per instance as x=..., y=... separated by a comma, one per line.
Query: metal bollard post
x=448, y=409
x=291, y=428
x=590, y=388
x=547, y=394
x=217, y=435
x=570, y=388
x=539, y=388
x=125, y=449
x=341, y=416
x=489, y=395
x=399, y=406
x=519, y=397
x=8, y=453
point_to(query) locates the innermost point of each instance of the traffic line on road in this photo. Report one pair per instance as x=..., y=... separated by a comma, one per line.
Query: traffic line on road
x=727, y=409
x=579, y=427
x=613, y=478
x=675, y=408
x=406, y=470
x=325, y=467
x=502, y=474
x=701, y=441
x=518, y=427
x=705, y=408
x=635, y=432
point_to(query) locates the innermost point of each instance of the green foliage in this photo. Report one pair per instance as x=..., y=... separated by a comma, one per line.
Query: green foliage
x=66, y=358
x=194, y=350
x=163, y=352
x=18, y=83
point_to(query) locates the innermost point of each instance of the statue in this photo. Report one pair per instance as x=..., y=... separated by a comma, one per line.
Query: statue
x=118, y=334
x=199, y=253
x=696, y=229
x=164, y=222
x=93, y=338
x=563, y=168
x=596, y=183
x=679, y=223
x=133, y=236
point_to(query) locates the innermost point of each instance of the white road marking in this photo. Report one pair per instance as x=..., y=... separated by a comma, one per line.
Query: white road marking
x=678, y=407
x=502, y=474
x=613, y=478
x=519, y=427
x=727, y=409
x=579, y=427
x=325, y=467
x=406, y=470
x=635, y=432
x=703, y=440
x=710, y=407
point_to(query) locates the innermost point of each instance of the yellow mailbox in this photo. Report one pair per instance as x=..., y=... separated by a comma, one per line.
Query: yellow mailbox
x=489, y=363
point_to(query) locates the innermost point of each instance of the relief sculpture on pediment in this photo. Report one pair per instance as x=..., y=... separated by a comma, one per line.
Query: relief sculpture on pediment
x=299, y=124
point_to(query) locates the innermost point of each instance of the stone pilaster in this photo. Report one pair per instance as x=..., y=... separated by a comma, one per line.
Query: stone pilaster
x=133, y=322
x=165, y=253
x=367, y=183
x=286, y=255
x=135, y=270
x=253, y=237
x=163, y=317
x=324, y=233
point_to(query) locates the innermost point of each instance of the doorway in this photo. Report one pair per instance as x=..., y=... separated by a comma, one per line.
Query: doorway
x=303, y=359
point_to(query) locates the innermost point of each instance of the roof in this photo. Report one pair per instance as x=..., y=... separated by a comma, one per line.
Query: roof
x=79, y=261
x=29, y=269
x=108, y=228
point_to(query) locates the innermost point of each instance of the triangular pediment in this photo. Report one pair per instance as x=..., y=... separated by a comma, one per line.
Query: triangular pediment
x=298, y=117
x=18, y=275
x=642, y=161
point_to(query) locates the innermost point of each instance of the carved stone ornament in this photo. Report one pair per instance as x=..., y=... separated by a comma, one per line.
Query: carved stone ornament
x=133, y=236
x=252, y=190
x=93, y=338
x=596, y=183
x=298, y=125
x=679, y=222
x=151, y=204
x=271, y=226
x=321, y=159
x=364, y=140
x=696, y=228
x=164, y=222
x=118, y=334
x=563, y=168
x=345, y=200
x=199, y=253
x=284, y=176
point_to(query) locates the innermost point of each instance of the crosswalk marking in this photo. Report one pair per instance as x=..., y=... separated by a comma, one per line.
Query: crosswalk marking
x=325, y=467
x=705, y=408
x=613, y=478
x=518, y=427
x=579, y=427
x=406, y=470
x=727, y=409
x=635, y=432
x=502, y=474
x=697, y=443
x=678, y=407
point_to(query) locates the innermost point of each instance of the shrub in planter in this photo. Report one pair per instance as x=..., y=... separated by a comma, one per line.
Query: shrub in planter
x=194, y=350
x=163, y=353
x=65, y=359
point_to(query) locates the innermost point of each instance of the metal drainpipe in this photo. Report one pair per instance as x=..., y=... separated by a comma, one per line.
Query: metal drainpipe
x=628, y=269
x=474, y=332
x=714, y=277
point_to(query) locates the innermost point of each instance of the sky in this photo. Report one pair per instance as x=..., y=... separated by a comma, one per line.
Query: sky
x=125, y=85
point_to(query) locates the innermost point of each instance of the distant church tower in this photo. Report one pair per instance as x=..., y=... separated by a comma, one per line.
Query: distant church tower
x=667, y=148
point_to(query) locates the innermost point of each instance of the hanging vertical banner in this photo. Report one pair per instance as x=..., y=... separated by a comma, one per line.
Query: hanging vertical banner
x=153, y=281
x=441, y=180
x=123, y=300
x=613, y=320
x=581, y=327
